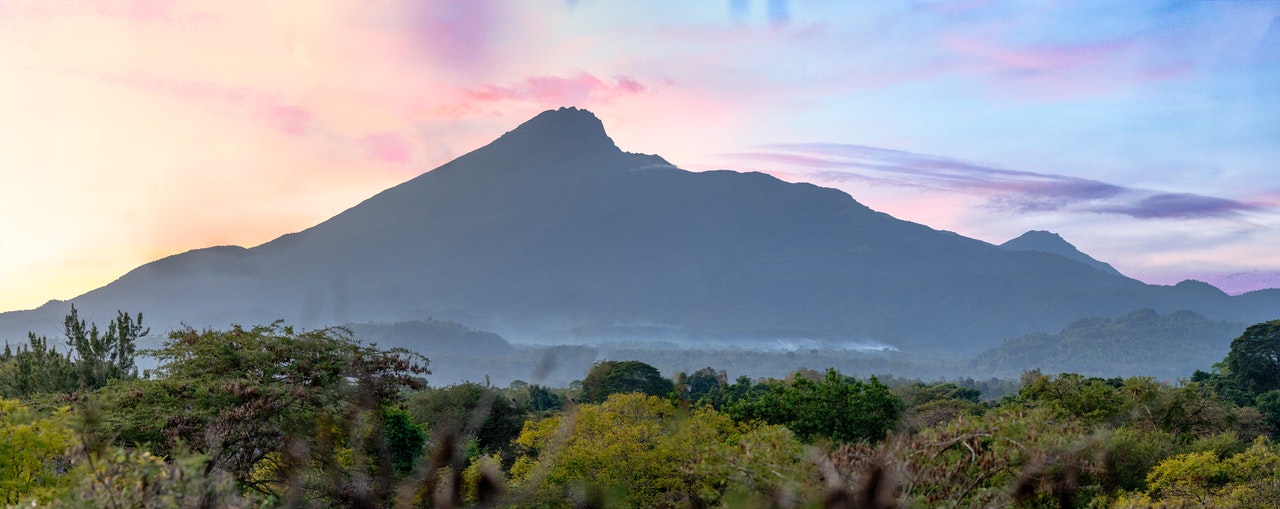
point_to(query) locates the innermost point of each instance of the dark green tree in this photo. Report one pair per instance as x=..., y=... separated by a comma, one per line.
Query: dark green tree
x=103, y=357
x=270, y=405
x=469, y=410
x=400, y=439
x=693, y=387
x=1253, y=364
x=541, y=399
x=91, y=361
x=36, y=368
x=622, y=377
x=837, y=408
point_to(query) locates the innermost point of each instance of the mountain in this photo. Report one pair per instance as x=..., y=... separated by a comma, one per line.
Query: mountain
x=552, y=233
x=1141, y=343
x=1052, y=243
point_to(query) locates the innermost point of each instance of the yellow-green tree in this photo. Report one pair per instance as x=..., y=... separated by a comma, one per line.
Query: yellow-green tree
x=31, y=447
x=641, y=451
x=1202, y=479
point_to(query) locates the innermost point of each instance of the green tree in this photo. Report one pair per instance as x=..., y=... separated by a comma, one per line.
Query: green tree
x=837, y=408
x=694, y=386
x=469, y=410
x=621, y=377
x=93, y=358
x=101, y=357
x=400, y=439
x=36, y=368
x=271, y=406
x=30, y=447
x=1253, y=364
x=541, y=399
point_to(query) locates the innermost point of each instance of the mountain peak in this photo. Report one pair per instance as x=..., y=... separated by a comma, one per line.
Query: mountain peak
x=570, y=128
x=1052, y=243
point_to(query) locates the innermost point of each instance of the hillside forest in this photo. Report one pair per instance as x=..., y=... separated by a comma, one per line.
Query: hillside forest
x=277, y=416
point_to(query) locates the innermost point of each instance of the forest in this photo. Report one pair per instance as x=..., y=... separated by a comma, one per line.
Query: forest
x=275, y=416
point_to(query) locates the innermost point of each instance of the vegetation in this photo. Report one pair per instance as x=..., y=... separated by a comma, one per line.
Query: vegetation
x=272, y=416
x=1141, y=343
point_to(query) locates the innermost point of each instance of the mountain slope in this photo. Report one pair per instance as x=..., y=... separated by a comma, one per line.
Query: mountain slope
x=552, y=233
x=1141, y=343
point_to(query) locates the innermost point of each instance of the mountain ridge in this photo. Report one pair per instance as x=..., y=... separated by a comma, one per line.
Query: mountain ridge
x=552, y=233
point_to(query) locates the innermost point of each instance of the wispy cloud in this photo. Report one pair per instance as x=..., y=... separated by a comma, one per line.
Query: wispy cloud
x=1013, y=190
x=575, y=89
x=581, y=89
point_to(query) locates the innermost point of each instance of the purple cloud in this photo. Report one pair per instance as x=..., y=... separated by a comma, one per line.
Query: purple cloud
x=1016, y=190
x=1181, y=205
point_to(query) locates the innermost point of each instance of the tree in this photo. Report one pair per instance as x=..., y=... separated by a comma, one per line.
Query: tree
x=692, y=387
x=636, y=450
x=621, y=377
x=104, y=357
x=269, y=405
x=30, y=445
x=92, y=359
x=1253, y=364
x=36, y=368
x=837, y=408
x=469, y=410
x=541, y=399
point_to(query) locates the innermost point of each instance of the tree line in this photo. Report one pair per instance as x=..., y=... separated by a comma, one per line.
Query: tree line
x=272, y=416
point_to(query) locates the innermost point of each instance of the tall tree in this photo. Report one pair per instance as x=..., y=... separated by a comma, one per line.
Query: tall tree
x=1253, y=365
x=103, y=357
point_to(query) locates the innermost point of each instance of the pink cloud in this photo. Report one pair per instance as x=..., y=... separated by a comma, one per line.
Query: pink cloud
x=538, y=93
x=260, y=106
x=576, y=89
x=388, y=148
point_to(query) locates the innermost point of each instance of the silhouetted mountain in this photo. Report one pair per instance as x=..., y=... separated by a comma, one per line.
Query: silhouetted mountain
x=1052, y=243
x=551, y=233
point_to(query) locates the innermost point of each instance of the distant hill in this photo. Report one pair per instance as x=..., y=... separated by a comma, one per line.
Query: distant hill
x=551, y=233
x=431, y=337
x=1139, y=343
x=1052, y=243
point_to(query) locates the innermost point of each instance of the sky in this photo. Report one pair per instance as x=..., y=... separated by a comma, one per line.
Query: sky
x=1147, y=133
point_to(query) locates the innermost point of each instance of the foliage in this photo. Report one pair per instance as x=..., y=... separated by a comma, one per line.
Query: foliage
x=31, y=446
x=1011, y=454
x=620, y=377
x=93, y=358
x=267, y=405
x=541, y=399
x=1248, y=479
x=119, y=478
x=928, y=405
x=837, y=408
x=694, y=386
x=469, y=409
x=1253, y=364
x=641, y=451
x=36, y=369
x=402, y=439
x=104, y=357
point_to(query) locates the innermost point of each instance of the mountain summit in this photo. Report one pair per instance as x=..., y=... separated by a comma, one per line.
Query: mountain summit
x=1052, y=243
x=565, y=127
x=552, y=233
